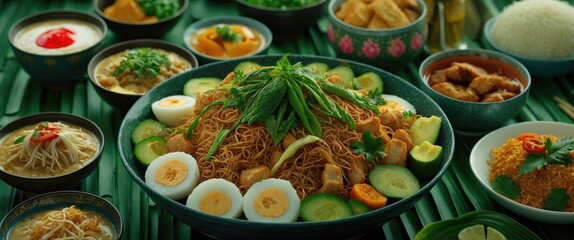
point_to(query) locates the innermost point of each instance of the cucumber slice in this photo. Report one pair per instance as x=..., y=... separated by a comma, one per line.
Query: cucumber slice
x=149, y=149
x=147, y=128
x=425, y=129
x=318, y=67
x=246, y=67
x=345, y=73
x=323, y=207
x=368, y=82
x=358, y=207
x=394, y=181
x=199, y=85
x=424, y=160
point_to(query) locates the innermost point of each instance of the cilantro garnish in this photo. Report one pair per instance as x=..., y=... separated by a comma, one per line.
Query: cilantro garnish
x=376, y=97
x=370, y=147
x=506, y=186
x=227, y=34
x=160, y=8
x=556, y=153
x=408, y=114
x=143, y=61
x=557, y=200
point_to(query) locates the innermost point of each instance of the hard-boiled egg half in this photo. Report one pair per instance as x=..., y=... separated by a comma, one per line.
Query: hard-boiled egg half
x=396, y=103
x=173, y=110
x=217, y=197
x=173, y=175
x=271, y=200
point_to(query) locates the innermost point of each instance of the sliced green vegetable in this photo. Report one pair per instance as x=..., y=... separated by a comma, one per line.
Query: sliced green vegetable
x=324, y=207
x=246, y=67
x=149, y=149
x=424, y=160
x=394, y=181
x=358, y=207
x=368, y=82
x=200, y=85
x=345, y=73
x=147, y=128
x=318, y=68
x=292, y=149
x=143, y=61
x=425, y=129
x=450, y=228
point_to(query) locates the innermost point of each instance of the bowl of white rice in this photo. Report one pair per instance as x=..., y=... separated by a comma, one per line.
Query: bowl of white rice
x=538, y=33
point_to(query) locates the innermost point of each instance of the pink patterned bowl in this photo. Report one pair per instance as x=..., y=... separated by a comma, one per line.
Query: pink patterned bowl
x=390, y=49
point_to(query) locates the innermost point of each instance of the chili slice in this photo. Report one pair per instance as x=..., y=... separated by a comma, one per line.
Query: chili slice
x=45, y=132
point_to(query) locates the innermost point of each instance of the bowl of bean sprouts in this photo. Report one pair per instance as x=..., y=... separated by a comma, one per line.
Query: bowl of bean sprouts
x=48, y=151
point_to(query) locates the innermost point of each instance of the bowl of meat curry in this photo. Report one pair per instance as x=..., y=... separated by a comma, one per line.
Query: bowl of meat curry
x=479, y=90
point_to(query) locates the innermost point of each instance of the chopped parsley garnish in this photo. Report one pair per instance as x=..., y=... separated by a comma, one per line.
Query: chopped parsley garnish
x=556, y=153
x=376, y=97
x=144, y=62
x=408, y=114
x=160, y=8
x=370, y=147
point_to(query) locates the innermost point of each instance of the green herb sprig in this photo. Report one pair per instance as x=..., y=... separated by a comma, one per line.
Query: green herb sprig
x=227, y=34
x=160, y=8
x=556, y=153
x=371, y=147
x=144, y=62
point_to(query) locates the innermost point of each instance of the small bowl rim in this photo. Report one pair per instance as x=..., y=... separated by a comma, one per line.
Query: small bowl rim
x=212, y=21
x=43, y=115
x=488, y=28
x=336, y=3
x=177, y=14
x=12, y=33
x=503, y=200
x=118, y=45
x=120, y=224
x=271, y=9
x=471, y=52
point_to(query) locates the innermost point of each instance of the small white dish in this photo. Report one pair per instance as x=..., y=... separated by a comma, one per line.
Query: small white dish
x=481, y=153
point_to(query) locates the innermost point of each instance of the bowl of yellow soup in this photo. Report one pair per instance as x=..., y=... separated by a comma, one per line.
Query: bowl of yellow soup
x=87, y=216
x=127, y=70
x=225, y=38
x=49, y=151
x=133, y=19
x=54, y=47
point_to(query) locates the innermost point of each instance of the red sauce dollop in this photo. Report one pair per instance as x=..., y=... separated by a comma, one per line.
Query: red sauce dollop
x=56, y=38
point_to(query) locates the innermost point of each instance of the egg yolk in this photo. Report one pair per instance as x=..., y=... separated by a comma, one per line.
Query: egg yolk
x=173, y=102
x=215, y=203
x=56, y=38
x=393, y=106
x=171, y=172
x=271, y=203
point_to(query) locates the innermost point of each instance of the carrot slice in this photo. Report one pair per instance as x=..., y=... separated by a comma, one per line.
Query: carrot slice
x=368, y=195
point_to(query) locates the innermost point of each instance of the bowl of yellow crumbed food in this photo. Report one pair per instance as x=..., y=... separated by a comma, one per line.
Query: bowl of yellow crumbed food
x=527, y=168
x=538, y=33
x=132, y=19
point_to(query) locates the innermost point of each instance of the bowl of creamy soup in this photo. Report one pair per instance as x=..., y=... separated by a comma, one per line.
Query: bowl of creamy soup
x=125, y=71
x=54, y=47
x=63, y=215
x=49, y=151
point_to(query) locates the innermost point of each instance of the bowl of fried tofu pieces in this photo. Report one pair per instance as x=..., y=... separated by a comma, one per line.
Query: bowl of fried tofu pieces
x=384, y=33
x=479, y=90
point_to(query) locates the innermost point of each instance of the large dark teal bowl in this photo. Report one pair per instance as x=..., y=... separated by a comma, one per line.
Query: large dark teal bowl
x=243, y=229
x=62, y=70
x=57, y=201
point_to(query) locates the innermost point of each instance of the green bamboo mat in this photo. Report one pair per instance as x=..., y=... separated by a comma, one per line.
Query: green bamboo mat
x=457, y=192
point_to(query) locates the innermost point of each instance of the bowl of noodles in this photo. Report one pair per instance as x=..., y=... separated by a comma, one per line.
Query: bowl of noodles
x=526, y=167
x=49, y=151
x=63, y=215
x=312, y=159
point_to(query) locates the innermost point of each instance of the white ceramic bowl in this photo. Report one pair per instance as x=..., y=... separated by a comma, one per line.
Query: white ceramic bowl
x=481, y=153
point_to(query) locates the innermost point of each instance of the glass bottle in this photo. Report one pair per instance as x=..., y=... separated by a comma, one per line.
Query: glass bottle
x=445, y=19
